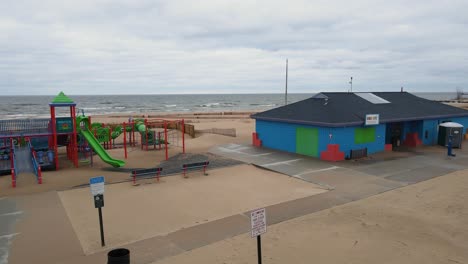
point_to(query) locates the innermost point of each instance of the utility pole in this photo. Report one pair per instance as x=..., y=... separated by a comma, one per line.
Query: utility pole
x=286, y=94
x=351, y=83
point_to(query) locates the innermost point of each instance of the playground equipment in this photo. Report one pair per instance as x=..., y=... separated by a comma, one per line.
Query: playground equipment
x=13, y=164
x=170, y=131
x=64, y=126
x=19, y=150
x=21, y=159
x=36, y=162
x=158, y=133
x=32, y=145
x=94, y=143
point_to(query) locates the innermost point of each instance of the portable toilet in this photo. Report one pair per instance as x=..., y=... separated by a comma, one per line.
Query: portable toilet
x=450, y=129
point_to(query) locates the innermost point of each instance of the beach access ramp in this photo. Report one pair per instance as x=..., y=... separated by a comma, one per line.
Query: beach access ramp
x=100, y=151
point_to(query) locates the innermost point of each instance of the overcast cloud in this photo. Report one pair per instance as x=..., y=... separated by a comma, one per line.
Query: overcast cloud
x=136, y=47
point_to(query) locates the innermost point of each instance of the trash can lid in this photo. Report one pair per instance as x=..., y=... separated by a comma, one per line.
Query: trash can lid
x=119, y=252
x=451, y=124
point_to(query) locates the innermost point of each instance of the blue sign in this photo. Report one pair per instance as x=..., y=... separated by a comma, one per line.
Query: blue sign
x=97, y=185
x=96, y=180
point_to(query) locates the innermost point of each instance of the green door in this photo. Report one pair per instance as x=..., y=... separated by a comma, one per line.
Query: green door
x=307, y=141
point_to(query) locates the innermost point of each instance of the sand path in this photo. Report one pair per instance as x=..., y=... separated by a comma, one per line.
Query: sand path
x=420, y=223
x=134, y=213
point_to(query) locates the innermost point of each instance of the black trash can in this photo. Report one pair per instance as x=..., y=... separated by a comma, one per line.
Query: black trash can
x=118, y=256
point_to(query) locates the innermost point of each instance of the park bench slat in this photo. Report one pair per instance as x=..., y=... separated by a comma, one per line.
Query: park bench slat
x=155, y=172
x=196, y=165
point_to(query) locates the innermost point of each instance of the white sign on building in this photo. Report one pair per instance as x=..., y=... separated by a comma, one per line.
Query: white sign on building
x=372, y=119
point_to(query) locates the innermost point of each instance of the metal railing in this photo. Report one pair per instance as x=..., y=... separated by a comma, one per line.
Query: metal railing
x=13, y=164
x=35, y=163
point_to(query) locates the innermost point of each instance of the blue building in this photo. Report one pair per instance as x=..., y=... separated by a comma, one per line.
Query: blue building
x=333, y=126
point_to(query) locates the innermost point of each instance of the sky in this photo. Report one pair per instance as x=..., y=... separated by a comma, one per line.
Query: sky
x=219, y=46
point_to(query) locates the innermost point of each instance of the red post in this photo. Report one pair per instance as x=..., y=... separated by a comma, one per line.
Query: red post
x=134, y=177
x=39, y=174
x=110, y=137
x=13, y=178
x=146, y=134
x=54, y=136
x=159, y=140
x=133, y=134
x=12, y=156
x=12, y=163
x=165, y=138
x=183, y=136
x=74, y=143
x=125, y=140
x=157, y=175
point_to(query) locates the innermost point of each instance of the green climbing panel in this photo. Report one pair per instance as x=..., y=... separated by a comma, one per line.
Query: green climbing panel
x=307, y=141
x=364, y=135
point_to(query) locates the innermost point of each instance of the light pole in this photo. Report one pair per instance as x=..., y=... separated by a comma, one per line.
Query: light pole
x=286, y=93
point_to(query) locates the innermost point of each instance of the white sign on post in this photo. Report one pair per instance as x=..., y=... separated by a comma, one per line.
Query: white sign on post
x=97, y=185
x=258, y=222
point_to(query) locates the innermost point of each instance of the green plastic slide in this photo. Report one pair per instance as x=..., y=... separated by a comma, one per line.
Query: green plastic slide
x=95, y=145
x=102, y=153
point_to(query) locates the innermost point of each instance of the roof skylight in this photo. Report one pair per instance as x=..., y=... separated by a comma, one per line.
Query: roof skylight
x=372, y=98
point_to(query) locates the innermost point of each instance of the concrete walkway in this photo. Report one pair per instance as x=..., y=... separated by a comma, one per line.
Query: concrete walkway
x=9, y=214
x=347, y=181
x=383, y=168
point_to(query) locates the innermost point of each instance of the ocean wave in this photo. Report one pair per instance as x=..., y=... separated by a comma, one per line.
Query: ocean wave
x=24, y=104
x=229, y=104
x=96, y=108
x=144, y=110
x=119, y=107
x=172, y=105
x=209, y=105
x=19, y=116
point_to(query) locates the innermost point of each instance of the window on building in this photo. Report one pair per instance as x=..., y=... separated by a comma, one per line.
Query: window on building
x=364, y=135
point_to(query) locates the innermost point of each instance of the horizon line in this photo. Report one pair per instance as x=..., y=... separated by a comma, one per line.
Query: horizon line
x=212, y=93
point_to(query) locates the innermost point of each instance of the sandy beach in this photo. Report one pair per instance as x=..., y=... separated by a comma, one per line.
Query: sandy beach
x=148, y=210
x=421, y=223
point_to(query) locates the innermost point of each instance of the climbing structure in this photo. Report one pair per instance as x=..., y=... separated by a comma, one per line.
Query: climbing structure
x=65, y=127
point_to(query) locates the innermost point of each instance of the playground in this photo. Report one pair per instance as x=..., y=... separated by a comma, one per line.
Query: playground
x=30, y=148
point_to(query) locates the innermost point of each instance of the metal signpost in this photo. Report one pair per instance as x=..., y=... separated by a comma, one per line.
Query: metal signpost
x=97, y=190
x=258, y=227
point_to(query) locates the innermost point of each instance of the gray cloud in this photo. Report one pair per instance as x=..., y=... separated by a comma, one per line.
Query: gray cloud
x=101, y=47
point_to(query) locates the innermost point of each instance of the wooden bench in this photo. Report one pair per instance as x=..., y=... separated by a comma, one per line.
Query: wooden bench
x=194, y=166
x=146, y=174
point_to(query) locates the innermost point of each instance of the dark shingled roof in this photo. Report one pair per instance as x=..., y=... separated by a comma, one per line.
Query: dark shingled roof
x=349, y=109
